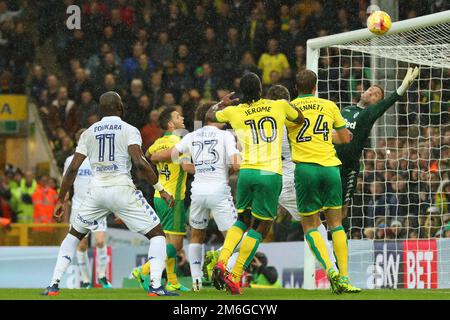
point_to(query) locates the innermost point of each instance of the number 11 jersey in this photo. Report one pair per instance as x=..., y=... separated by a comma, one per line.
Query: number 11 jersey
x=105, y=144
x=312, y=141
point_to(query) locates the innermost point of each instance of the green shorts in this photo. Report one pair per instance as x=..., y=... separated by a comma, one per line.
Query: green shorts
x=317, y=188
x=173, y=220
x=349, y=178
x=258, y=191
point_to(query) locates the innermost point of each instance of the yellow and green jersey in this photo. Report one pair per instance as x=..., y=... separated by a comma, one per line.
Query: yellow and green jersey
x=312, y=141
x=259, y=129
x=171, y=175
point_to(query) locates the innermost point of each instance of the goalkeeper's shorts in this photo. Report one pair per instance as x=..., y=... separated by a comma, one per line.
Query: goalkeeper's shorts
x=349, y=178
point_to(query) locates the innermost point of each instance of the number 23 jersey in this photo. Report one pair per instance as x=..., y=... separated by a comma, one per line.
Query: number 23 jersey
x=171, y=175
x=312, y=141
x=259, y=129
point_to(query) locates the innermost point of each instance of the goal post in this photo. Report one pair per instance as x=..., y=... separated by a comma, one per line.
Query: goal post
x=407, y=142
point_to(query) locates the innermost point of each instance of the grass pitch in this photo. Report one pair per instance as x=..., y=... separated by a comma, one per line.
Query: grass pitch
x=212, y=294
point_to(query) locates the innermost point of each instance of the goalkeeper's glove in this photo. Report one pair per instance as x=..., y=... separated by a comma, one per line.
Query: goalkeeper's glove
x=410, y=76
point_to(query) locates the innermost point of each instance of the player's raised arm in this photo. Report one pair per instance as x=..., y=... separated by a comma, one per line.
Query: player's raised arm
x=373, y=112
x=300, y=118
x=141, y=163
x=164, y=155
x=225, y=102
x=67, y=183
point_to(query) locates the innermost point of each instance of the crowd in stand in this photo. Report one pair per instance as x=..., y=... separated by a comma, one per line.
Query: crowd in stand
x=179, y=53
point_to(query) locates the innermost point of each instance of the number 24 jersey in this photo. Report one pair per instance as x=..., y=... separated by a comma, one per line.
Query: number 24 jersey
x=312, y=141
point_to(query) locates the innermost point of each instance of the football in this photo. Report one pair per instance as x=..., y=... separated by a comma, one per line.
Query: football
x=379, y=22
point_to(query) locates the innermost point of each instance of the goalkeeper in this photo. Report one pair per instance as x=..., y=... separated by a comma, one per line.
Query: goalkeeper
x=360, y=120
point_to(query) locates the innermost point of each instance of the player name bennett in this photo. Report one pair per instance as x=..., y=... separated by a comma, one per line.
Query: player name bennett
x=311, y=107
x=108, y=127
x=257, y=109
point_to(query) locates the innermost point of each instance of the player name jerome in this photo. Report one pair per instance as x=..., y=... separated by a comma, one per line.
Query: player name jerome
x=185, y=310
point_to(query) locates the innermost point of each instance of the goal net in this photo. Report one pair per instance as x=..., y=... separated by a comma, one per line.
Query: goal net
x=398, y=219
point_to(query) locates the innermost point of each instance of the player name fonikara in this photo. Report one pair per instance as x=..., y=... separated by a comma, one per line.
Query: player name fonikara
x=108, y=127
x=311, y=107
x=257, y=109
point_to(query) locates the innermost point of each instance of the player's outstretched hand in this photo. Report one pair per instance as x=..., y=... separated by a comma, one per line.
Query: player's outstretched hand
x=59, y=211
x=410, y=76
x=227, y=101
x=167, y=198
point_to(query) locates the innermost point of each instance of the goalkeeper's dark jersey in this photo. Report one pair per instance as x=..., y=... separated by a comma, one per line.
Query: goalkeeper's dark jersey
x=359, y=122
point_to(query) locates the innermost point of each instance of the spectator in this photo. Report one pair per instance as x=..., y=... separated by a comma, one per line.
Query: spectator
x=163, y=50
x=210, y=48
x=447, y=230
x=21, y=51
x=232, y=53
x=109, y=84
x=206, y=82
x=130, y=64
x=247, y=65
x=272, y=61
x=181, y=80
x=139, y=117
x=21, y=201
x=88, y=107
x=263, y=275
x=155, y=89
x=109, y=64
x=67, y=146
x=79, y=84
x=63, y=112
x=38, y=83
x=144, y=69
x=132, y=101
x=184, y=55
x=151, y=130
x=44, y=202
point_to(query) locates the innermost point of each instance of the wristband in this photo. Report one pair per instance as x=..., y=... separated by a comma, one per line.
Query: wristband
x=158, y=187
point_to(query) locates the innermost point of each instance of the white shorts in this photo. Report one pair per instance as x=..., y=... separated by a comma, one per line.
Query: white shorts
x=126, y=202
x=102, y=224
x=221, y=207
x=288, y=199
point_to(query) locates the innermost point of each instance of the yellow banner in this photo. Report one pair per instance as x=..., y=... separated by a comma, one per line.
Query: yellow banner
x=13, y=107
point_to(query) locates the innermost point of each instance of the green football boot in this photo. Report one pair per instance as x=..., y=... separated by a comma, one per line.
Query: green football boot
x=210, y=260
x=347, y=287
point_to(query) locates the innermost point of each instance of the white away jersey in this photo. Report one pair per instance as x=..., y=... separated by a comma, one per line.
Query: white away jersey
x=287, y=165
x=106, y=143
x=81, y=184
x=210, y=149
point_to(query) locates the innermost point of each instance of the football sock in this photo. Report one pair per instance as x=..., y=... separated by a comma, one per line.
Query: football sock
x=83, y=265
x=156, y=260
x=323, y=232
x=146, y=268
x=196, y=259
x=102, y=261
x=234, y=236
x=340, y=249
x=248, y=249
x=318, y=248
x=232, y=261
x=65, y=256
x=171, y=264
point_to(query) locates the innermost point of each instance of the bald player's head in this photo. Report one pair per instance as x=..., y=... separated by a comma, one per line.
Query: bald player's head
x=111, y=104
